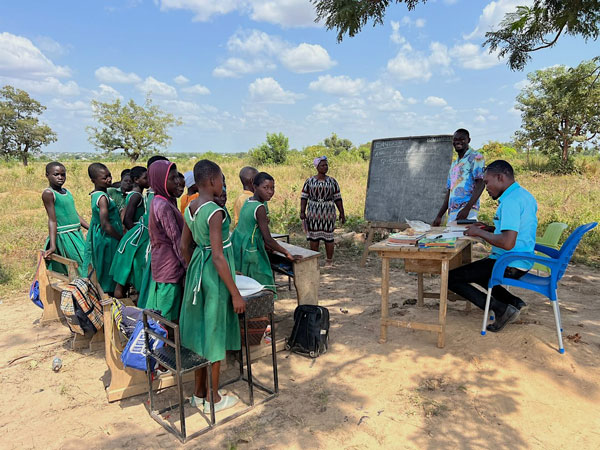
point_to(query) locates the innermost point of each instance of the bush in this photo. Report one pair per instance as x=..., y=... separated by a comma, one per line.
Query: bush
x=273, y=151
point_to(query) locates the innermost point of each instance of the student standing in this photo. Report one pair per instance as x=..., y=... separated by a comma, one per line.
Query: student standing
x=106, y=229
x=247, y=175
x=118, y=191
x=165, y=225
x=465, y=181
x=130, y=259
x=208, y=321
x=192, y=191
x=64, y=223
x=252, y=237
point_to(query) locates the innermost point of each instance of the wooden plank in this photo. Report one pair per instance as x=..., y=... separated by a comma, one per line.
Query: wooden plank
x=363, y=259
x=443, y=304
x=385, y=291
x=420, y=294
x=451, y=296
x=419, y=253
x=414, y=325
x=306, y=281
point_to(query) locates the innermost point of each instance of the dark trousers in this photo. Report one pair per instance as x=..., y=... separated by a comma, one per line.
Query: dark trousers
x=479, y=272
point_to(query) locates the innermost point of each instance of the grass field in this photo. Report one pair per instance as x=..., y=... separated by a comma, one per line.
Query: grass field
x=573, y=199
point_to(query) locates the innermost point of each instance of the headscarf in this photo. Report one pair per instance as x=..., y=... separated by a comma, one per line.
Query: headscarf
x=318, y=159
x=157, y=176
x=189, y=179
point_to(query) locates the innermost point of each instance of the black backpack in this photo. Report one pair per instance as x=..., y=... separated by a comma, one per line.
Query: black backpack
x=310, y=335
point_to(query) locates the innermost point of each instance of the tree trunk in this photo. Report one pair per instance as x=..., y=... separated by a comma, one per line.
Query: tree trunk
x=24, y=156
x=565, y=150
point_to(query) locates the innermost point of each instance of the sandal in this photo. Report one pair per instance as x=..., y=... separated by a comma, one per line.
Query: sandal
x=227, y=401
x=199, y=401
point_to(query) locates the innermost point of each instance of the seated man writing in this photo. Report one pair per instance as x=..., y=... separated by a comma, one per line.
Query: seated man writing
x=515, y=225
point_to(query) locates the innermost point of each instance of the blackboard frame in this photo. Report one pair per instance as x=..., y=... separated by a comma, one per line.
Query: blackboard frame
x=370, y=174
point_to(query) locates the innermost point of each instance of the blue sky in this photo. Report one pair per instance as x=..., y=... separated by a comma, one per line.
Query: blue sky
x=234, y=70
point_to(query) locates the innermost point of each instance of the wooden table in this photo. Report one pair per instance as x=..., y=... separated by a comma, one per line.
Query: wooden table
x=421, y=260
x=306, y=272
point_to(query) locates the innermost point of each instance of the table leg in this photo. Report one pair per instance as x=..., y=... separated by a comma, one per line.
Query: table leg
x=385, y=291
x=466, y=259
x=443, y=304
x=420, y=301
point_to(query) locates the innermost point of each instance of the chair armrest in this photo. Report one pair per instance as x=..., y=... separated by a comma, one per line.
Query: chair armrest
x=503, y=262
x=551, y=252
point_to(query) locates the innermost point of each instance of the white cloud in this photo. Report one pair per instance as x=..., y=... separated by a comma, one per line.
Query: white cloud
x=385, y=98
x=203, y=9
x=48, y=85
x=341, y=85
x=196, y=89
x=480, y=119
x=236, y=67
x=407, y=65
x=471, y=56
x=493, y=13
x=49, y=45
x=20, y=58
x=180, y=79
x=267, y=90
x=395, y=37
x=306, y=58
x=152, y=85
x=77, y=105
x=255, y=42
x=287, y=13
x=520, y=85
x=106, y=93
x=435, y=101
x=439, y=54
x=112, y=74
x=420, y=23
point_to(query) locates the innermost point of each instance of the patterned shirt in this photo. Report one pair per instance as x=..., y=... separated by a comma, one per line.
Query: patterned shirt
x=463, y=174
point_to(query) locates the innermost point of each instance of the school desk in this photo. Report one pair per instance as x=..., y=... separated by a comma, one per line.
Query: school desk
x=305, y=272
x=421, y=260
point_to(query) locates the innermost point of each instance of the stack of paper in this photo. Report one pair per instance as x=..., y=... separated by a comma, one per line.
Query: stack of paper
x=403, y=240
x=437, y=243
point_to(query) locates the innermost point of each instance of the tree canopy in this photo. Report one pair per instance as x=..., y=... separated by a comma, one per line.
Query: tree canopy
x=561, y=110
x=137, y=130
x=21, y=133
x=273, y=151
x=522, y=32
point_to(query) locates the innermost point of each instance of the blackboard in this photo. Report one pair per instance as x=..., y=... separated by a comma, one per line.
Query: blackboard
x=407, y=178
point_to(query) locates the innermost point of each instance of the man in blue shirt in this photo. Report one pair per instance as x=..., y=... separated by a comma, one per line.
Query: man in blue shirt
x=515, y=226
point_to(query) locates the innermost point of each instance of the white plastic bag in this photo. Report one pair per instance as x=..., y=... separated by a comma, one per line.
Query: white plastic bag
x=247, y=286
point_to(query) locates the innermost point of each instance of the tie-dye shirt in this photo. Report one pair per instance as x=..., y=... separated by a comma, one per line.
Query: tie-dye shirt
x=461, y=180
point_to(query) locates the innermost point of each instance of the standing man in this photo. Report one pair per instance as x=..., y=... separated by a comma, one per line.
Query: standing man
x=515, y=225
x=465, y=181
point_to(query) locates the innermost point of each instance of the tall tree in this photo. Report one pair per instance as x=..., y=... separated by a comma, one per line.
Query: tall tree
x=336, y=144
x=522, y=32
x=532, y=28
x=273, y=151
x=561, y=110
x=21, y=133
x=137, y=130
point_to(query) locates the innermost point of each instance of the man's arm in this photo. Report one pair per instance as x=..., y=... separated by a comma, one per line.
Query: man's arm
x=505, y=240
x=477, y=191
x=438, y=220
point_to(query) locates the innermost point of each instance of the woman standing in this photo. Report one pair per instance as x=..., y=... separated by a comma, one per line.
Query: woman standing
x=320, y=196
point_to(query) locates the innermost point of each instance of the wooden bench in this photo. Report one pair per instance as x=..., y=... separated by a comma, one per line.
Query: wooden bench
x=51, y=285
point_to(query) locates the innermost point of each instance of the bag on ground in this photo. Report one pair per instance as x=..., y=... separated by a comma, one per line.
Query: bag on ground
x=310, y=335
x=134, y=354
x=80, y=304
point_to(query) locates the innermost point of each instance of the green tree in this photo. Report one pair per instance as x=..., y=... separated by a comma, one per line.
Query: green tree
x=336, y=144
x=526, y=30
x=21, y=133
x=561, y=111
x=532, y=28
x=497, y=150
x=137, y=130
x=273, y=151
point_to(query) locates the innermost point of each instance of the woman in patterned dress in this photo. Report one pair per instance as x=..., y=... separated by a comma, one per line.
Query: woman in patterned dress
x=320, y=196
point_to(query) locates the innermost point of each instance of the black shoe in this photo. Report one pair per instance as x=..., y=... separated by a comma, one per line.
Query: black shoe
x=510, y=315
x=522, y=306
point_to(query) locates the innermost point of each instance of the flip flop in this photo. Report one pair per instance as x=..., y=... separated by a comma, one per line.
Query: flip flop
x=227, y=401
x=199, y=401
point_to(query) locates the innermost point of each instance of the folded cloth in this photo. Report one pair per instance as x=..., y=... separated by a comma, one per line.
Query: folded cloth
x=189, y=179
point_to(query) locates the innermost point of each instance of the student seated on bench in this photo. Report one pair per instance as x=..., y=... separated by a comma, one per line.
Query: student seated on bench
x=515, y=225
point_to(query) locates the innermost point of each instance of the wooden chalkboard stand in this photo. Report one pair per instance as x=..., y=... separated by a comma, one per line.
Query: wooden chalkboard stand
x=371, y=230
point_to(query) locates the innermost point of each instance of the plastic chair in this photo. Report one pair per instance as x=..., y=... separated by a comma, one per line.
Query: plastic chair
x=556, y=260
x=550, y=239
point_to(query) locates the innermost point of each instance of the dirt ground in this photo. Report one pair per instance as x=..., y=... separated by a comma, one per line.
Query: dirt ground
x=503, y=391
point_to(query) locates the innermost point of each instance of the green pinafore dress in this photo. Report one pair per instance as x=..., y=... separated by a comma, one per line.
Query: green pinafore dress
x=70, y=242
x=147, y=257
x=129, y=262
x=100, y=248
x=251, y=257
x=209, y=325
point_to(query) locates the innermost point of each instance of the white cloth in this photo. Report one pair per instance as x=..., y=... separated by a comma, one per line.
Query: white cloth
x=189, y=179
x=247, y=286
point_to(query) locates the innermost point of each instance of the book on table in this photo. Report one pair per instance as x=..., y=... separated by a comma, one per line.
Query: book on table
x=401, y=240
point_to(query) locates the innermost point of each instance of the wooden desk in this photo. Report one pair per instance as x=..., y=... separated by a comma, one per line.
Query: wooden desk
x=421, y=260
x=306, y=273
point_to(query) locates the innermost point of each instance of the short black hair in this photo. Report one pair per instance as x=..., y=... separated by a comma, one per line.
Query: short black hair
x=125, y=173
x=463, y=131
x=95, y=168
x=180, y=175
x=155, y=158
x=500, y=166
x=52, y=164
x=205, y=169
x=136, y=172
x=261, y=177
x=247, y=173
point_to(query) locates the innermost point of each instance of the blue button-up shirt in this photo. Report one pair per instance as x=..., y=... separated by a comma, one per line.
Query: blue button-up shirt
x=517, y=211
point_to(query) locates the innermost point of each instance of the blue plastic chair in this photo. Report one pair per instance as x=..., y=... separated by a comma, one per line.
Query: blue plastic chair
x=556, y=260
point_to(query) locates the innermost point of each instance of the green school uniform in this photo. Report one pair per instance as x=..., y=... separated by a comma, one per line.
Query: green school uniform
x=118, y=197
x=251, y=257
x=164, y=297
x=209, y=326
x=70, y=242
x=129, y=262
x=147, y=271
x=100, y=248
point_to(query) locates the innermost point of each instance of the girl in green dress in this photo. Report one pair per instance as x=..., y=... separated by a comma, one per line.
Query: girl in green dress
x=64, y=224
x=130, y=259
x=251, y=238
x=208, y=321
x=105, y=230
